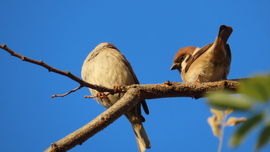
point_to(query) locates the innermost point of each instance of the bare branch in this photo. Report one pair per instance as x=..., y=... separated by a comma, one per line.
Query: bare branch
x=134, y=94
x=90, y=96
x=167, y=89
x=64, y=73
x=128, y=101
x=67, y=92
x=177, y=89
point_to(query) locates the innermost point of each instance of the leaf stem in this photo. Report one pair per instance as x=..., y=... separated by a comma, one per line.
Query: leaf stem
x=221, y=136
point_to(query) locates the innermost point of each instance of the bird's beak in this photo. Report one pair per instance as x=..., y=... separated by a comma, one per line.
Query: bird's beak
x=175, y=66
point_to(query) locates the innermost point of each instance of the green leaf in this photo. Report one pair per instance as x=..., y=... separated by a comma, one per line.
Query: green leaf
x=264, y=137
x=243, y=130
x=257, y=87
x=224, y=100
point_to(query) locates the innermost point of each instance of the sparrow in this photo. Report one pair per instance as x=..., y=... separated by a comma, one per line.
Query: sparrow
x=207, y=64
x=108, y=67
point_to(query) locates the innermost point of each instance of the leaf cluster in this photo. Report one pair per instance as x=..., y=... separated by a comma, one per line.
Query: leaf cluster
x=254, y=99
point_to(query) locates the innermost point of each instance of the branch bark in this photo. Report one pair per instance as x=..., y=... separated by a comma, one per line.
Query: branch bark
x=134, y=94
x=129, y=100
x=52, y=69
x=177, y=89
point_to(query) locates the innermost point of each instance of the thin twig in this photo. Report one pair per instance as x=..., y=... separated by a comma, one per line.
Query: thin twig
x=89, y=96
x=67, y=92
x=99, y=95
x=128, y=101
x=64, y=73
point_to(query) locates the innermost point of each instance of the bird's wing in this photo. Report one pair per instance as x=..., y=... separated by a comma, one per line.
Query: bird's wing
x=197, y=55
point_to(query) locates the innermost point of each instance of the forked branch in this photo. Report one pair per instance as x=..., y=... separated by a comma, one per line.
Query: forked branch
x=134, y=94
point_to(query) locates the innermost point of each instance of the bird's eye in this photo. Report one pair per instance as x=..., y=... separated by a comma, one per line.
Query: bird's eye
x=181, y=59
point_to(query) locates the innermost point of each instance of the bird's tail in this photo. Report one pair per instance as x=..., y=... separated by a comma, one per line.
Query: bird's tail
x=135, y=118
x=224, y=33
x=220, y=46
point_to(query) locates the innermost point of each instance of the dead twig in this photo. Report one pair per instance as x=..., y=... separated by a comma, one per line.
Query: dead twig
x=64, y=73
x=67, y=92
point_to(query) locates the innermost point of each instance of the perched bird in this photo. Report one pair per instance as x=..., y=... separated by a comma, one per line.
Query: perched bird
x=108, y=67
x=206, y=64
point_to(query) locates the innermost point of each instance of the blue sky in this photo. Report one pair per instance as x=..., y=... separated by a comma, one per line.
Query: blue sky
x=148, y=33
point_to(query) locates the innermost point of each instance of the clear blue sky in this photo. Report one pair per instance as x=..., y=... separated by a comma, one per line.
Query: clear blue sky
x=62, y=33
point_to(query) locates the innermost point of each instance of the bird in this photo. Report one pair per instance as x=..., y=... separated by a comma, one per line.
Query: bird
x=108, y=67
x=207, y=64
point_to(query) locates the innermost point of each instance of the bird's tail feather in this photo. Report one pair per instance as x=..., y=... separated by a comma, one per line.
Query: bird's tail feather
x=141, y=137
x=135, y=118
x=224, y=33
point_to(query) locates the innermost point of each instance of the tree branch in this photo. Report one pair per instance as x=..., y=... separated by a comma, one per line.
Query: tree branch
x=177, y=89
x=64, y=73
x=167, y=89
x=134, y=94
x=128, y=101
x=79, y=87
